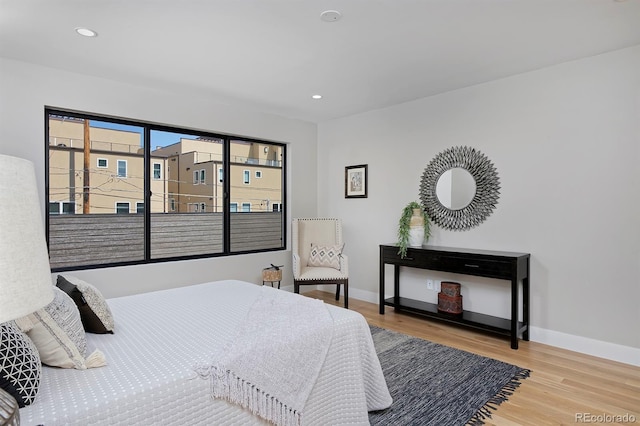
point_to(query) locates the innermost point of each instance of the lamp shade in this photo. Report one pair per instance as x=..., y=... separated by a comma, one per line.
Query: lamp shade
x=25, y=274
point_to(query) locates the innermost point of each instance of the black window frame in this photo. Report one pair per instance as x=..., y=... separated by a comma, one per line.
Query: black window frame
x=148, y=176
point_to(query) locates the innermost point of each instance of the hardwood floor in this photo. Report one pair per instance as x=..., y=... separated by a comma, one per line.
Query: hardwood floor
x=564, y=387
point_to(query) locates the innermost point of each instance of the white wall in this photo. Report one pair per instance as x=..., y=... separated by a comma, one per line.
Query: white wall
x=566, y=143
x=25, y=89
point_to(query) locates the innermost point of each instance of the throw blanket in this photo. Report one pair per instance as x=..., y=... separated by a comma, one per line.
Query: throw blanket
x=273, y=363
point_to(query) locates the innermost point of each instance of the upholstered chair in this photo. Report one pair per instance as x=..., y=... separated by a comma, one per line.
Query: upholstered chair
x=316, y=245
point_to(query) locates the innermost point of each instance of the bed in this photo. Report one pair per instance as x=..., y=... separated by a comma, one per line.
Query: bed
x=161, y=337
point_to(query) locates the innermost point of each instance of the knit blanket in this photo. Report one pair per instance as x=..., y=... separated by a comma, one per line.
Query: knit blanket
x=273, y=363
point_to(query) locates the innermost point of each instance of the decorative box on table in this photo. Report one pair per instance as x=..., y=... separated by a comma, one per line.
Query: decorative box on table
x=449, y=298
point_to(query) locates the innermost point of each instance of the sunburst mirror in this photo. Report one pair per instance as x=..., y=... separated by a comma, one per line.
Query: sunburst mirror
x=459, y=188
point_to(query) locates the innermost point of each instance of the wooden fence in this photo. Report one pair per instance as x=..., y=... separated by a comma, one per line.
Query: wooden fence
x=94, y=239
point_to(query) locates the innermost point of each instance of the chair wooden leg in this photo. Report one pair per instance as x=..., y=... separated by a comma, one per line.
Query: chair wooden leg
x=346, y=294
x=338, y=292
x=296, y=287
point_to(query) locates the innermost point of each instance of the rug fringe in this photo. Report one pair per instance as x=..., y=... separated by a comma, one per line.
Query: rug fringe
x=491, y=405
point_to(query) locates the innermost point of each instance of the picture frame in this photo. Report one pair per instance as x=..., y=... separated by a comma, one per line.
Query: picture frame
x=356, y=181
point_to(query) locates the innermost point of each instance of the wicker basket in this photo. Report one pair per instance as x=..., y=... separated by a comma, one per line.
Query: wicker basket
x=270, y=274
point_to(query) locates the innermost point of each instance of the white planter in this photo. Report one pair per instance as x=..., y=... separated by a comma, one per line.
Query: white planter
x=416, y=229
x=416, y=236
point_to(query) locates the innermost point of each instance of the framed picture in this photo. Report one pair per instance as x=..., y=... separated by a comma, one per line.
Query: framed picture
x=355, y=181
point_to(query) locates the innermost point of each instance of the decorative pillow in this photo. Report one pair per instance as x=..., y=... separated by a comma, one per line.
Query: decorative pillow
x=94, y=310
x=57, y=332
x=328, y=256
x=20, y=366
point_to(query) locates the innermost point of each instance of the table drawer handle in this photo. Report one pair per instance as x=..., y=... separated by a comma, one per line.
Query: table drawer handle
x=408, y=258
x=471, y=266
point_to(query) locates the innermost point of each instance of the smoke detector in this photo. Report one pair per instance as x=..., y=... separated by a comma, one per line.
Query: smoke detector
x=330, y=16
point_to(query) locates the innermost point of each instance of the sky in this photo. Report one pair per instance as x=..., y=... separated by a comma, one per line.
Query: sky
x=158, y=138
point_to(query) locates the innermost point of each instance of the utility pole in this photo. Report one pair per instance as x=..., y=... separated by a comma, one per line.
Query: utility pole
x=87, y=164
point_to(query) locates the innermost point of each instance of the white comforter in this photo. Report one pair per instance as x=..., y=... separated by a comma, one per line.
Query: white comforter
x=160, y=337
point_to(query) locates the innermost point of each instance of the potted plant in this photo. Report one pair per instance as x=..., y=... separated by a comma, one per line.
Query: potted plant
x=413, y=228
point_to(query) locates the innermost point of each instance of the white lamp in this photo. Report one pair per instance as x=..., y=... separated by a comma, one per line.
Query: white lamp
x=25, y=274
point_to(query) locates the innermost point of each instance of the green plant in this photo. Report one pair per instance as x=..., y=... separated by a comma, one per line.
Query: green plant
x=403, y=227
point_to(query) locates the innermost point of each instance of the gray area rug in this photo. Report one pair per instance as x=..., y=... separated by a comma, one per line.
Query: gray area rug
x=432, y=384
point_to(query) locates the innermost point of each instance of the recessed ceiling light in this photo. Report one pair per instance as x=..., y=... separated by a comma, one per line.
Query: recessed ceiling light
x=317, y=96
x=330, y=16
x=86, y=32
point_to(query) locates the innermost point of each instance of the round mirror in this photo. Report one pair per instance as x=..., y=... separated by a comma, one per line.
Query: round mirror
x=459, y=188
x=456, y=188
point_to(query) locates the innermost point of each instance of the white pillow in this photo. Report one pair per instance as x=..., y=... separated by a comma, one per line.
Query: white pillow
x=327, y=256
x=57, y=332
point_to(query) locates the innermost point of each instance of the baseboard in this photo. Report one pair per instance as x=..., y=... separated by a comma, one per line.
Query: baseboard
x=584, y=345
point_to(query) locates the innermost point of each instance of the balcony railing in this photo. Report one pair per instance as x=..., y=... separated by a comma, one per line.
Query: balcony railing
x=94, y=145
x=94, y=239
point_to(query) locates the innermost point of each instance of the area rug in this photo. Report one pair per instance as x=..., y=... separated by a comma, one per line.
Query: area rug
x=432, y=384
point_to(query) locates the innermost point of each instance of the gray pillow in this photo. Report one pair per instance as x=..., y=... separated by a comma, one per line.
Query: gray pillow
x=94, y=310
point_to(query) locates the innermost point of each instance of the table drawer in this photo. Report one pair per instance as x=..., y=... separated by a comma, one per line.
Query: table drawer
x=461, y=264
x=474, y=266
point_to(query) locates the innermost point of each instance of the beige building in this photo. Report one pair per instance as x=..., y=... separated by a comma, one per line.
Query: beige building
x=185, y=177
x=116, y=171
x=195, y=174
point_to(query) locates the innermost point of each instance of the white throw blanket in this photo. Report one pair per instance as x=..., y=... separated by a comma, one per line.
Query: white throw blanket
x=272, y=365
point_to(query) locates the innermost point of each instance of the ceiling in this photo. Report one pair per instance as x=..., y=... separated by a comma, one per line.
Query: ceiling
x=273, y=55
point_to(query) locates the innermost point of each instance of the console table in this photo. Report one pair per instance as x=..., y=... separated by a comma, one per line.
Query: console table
x=513, y=267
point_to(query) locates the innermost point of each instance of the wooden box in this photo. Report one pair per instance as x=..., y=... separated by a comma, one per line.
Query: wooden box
x=449, y=304
x=450, y=288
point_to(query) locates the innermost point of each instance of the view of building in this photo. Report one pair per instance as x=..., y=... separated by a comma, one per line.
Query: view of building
x=186, y=176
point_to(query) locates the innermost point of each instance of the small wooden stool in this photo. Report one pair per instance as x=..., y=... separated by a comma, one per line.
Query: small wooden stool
x=272, y=275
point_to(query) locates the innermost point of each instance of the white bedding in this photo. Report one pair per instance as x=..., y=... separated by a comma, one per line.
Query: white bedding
x=159, y=337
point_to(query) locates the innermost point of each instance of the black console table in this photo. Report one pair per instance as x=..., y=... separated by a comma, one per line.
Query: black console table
x=484, y=263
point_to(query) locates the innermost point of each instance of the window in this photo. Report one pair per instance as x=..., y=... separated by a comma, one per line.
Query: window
x=200, y=177
x=258, y=174
x=133, y=210
x=122, y=208
x=157, y=171
x=64, y=207
x=68, y=208
x=254, y=214
x=122, y=168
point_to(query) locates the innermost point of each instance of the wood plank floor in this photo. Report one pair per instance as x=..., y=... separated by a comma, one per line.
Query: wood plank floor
x=564, y=388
